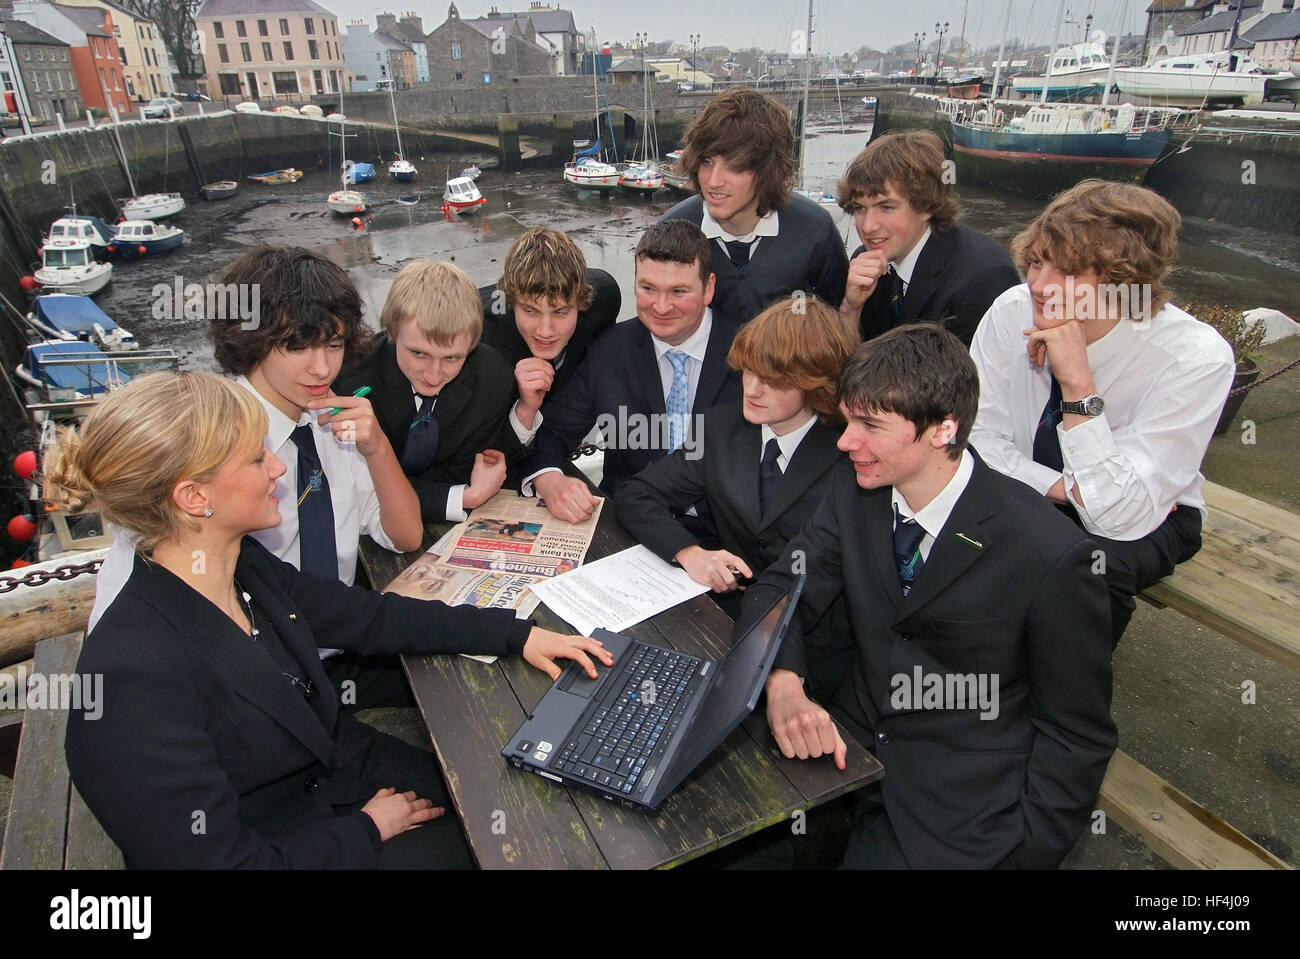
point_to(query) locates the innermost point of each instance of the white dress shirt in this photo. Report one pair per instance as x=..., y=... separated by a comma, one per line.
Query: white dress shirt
x=352, y=496
x=769, y=224
x=787, y=444
x=934, y=515
x=907, y=265
x=1164, y=383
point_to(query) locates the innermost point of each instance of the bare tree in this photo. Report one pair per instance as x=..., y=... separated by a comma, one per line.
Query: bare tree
x=174, y=20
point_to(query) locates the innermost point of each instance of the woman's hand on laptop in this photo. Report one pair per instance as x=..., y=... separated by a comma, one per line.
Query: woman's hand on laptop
x=544, y=647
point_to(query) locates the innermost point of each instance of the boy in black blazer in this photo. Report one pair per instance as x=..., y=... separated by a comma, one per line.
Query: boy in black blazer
x=981, y=673
x=441, y=396
x=765, y=465
x=915, y=262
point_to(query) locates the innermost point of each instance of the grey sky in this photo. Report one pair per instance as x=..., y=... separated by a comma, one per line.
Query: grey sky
x=843, y=24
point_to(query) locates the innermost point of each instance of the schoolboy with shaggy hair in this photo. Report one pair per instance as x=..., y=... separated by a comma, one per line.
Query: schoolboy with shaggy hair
x=1097, y=391
x=766, y=242
x=441, y=396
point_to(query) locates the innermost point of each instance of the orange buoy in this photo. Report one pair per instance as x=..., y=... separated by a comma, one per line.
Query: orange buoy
x=28, y=283
x=25, y=464
x=21, y=528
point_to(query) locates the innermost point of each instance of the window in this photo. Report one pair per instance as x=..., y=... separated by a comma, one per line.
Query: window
x=284, y=27
x=288, y=50
x=312, y=49
x=121, y=53
x=455, y=51
x=246, y=53
x=103, y=80
x=286, y=82
x=460, y=76
x=262, y=30
x=58, y=80
x=153, y=84
x=266, y=51
x=221, y=53
x=229, y=84
x=36, y=84
x=318, y=81
x=239, y=28
x=310, y=24
x=218, y=30
x=40, y=55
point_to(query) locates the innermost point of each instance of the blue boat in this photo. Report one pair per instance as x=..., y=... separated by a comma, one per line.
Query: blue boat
x=92, y=229
x=354, y=172
x=68, y=370
x=60, y=316
x=144, y=238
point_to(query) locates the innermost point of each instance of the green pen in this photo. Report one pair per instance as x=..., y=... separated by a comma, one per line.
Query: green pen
x=359, y=391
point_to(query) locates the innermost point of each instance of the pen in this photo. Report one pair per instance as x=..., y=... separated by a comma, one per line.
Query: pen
x=359, y=391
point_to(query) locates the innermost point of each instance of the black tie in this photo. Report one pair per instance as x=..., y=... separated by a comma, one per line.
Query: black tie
x=421, y=439
x=738, y=250
x=317, y=552
x=907, y=550
x=1047, y=444
x=895, y=295
x=769, y=474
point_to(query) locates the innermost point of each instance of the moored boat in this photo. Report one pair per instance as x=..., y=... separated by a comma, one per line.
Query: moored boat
x=671, y=169
x=1199, y=78
x=1076, y=72
x=289, y=175
x=144, y=238
x=69, y=266
x=471, y=171
x=348, y=202
x=641, y=178
x=220, y=190
x=355, y=172
x=462, y=195
x=152, y=206
x=89, y=228
x=591, y=174
x=61, y=316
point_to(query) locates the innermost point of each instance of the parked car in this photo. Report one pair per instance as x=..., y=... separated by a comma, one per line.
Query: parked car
x=163, y=107
x=195, y=95
x=248, y=106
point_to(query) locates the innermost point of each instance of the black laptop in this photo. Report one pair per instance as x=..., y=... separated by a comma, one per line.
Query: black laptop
x=637, y=730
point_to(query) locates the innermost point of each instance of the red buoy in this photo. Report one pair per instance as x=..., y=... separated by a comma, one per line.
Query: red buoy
x=111, y=248
x=25, y=464
x=28, y=283
x=142, y=249
x=21, y=528
x=20, y=563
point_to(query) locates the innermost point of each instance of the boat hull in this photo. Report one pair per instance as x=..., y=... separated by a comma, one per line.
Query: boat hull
x=1191, y=88
x=78, y=281
x=221, y=190
x=152, y=206
x=289, y=175
x=1042, y=164
x=130, y=249
x=348, y=202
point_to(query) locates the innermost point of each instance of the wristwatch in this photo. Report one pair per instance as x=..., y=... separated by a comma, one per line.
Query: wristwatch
x=1092, y=405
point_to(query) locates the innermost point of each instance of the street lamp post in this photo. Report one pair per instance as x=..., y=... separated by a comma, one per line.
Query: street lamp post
x=938, y=54
x=20, y=92
x=1087, y=27
x=695, y=42
x=916, y=64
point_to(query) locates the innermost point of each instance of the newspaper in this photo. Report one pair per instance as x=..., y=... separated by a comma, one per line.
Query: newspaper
x=492, y=559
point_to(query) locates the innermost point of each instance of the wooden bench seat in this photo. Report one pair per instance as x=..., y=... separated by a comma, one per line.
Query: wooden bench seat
x=49, y=826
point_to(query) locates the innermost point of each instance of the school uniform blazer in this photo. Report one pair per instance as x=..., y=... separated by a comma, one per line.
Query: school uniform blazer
x=957, y=277
x=502, y=334
x=205, y=755
x=619, y=378
x=471, y=411
x=725, y=474
x=1008, y=593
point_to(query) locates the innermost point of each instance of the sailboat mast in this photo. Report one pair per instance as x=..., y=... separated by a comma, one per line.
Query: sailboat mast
x=807, y=79
x=1110, y=71
x=1051, y=53
x=1002, y=46
x=961, y=44
x=396, y=129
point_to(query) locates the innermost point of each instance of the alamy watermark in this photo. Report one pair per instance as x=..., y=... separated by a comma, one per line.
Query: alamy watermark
x=75, y=912
x=625, y=430
x=209, y=301
x=81, y=692
x=1090, y=301
x=922, y=690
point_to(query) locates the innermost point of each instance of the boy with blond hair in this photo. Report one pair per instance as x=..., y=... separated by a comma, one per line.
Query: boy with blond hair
x=441, y=396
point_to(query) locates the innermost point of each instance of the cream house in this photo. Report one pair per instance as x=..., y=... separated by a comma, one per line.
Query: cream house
x=286, y=50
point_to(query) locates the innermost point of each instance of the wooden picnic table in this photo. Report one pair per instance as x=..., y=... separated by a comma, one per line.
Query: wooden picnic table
x=515, y=819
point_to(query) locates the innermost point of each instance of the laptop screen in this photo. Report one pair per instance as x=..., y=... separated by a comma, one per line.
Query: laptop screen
x=737, y=686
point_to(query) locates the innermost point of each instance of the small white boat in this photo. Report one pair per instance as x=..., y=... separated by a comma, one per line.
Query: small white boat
x=641, y=178
x=1076, y=71
x=462, y=195
x=1195, y=79
x=92, y=229
x=220, y=190
x=471, y=171
x=402, y=170
x=144, y=238
x=348, y=202
x=591, y=174
x=152, y=206
x=69, y=266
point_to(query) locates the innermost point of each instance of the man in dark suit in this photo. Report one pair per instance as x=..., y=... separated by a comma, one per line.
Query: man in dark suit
x=981, y=672
x=642, y=384
x=916, y=262
x=764, y=466
x=441, y=397
x=765, y=241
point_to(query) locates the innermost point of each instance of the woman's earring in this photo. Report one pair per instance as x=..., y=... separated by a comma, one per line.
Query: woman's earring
x=207, y=513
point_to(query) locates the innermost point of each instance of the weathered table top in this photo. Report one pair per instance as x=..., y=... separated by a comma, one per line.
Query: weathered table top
x=517, y=819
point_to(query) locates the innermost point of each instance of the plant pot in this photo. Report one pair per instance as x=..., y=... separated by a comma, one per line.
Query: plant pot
x=1247, y=373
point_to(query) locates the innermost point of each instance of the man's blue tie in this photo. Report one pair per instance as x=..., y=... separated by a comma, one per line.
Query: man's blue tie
x=317, y=552
x=421, y=439
x=678, y=402
x=908, y=534
x=1047, y=444
x=738, y=250
x=769, y=474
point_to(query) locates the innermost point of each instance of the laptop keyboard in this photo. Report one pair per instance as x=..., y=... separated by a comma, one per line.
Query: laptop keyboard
x=629, y=718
